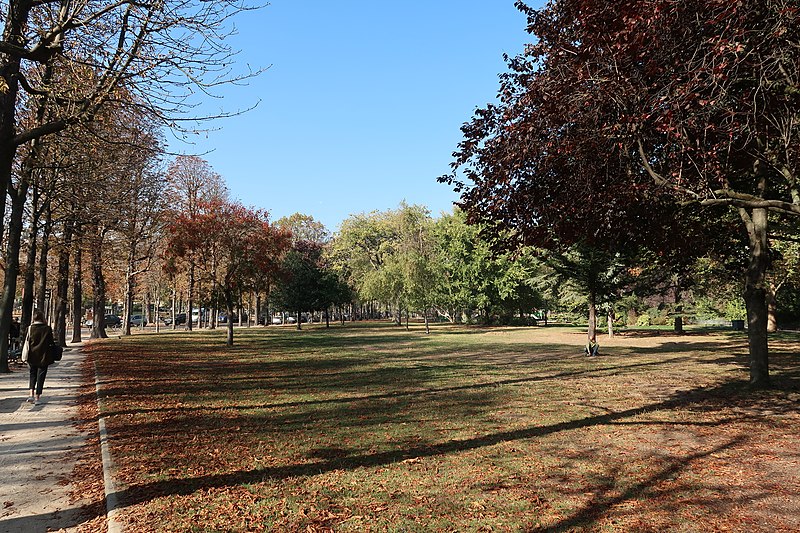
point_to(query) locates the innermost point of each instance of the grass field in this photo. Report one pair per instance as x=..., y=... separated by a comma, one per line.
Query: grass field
x=370, y=427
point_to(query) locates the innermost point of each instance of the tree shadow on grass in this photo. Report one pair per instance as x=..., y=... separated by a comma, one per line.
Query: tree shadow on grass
x=343, y=460
x=605, y=500
x=372, y=379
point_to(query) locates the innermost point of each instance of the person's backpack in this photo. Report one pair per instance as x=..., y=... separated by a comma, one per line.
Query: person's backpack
x=56, y=352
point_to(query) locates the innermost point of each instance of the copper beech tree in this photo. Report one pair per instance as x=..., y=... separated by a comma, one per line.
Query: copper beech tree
x=240, y=241
x=624, y=111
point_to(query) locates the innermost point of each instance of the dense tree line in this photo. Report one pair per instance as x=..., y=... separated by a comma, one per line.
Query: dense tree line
x=84, y=86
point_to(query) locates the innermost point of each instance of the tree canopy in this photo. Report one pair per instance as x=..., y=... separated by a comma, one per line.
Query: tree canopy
x=624, y=113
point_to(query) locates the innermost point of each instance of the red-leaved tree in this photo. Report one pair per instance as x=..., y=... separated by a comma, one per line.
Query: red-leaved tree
x=240, y=241
x=625, y=111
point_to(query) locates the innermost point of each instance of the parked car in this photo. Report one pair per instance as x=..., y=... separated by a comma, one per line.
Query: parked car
x=277, y=320
x=111, y=321
x=180, y=319
x=138, y=320
x=223, y=318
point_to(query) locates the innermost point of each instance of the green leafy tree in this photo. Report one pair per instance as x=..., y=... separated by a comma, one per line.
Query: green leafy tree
x=304, y=228
x=415, y=259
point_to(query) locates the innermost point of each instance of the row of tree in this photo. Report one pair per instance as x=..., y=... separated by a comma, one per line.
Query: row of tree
x=172, y=237
x=85, y=89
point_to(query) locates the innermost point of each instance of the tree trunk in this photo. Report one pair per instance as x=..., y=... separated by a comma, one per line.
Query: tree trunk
x=77, y=289
x=41, y=292
x=29, y=273
x=62, y=286
x=147, y=309
x=98, y=289
x=250, y=311
x=772, y=308
x=214, y=310
x=174, y=303
x=130, y=288
x=158, y=311
x=755, y=296
x=229, y=323
x=427, y=324
x=18, y=198
x=190, y=298
x=299, y=321
x=610, y=321
x=16, y=25
x=592, y=329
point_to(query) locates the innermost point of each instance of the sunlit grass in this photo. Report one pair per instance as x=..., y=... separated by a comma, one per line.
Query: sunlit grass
x=372, y=427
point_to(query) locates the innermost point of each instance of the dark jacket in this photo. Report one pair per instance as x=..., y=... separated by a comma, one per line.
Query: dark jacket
x=41, y=341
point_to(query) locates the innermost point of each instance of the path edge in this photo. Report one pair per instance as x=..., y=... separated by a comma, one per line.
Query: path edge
x=112, y=501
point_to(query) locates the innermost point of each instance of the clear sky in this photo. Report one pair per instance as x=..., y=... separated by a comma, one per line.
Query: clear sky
x=362, y=104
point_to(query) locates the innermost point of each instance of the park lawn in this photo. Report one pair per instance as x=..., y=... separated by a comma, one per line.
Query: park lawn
x=369, y=427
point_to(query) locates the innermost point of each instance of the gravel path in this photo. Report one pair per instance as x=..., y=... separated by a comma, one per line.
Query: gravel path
x=38, y=449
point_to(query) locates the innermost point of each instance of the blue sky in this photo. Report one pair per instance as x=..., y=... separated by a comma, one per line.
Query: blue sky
x=362, y=102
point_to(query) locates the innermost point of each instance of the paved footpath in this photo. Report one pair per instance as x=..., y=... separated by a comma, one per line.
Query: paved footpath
x=38, y=448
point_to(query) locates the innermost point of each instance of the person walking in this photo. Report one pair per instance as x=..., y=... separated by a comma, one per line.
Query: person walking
x=13, y=334
x=37, y=354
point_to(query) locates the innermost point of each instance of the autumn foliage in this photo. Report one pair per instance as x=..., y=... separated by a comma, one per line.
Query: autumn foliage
x=237, y=245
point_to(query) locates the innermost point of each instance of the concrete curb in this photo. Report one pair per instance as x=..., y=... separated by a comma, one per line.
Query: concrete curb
x=112, y=501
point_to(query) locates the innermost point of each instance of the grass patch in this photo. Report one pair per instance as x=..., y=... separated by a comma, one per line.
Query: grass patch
x=372, y=427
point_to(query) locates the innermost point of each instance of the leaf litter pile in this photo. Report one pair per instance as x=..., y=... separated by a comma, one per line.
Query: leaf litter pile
x=375, y=428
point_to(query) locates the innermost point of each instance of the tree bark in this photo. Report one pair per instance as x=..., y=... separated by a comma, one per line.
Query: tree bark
x=592, y=329
x=755, y=296
x=41, y=291
x=77, y=289
x=98, y=289
x=190, y=298
x=610, y=321
x=16, y=22
x=772, y=308
x=174, y=303
x=130, y=287
x=29, y=273
x=229, y=323
x=62, y=286
x=18, y=197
